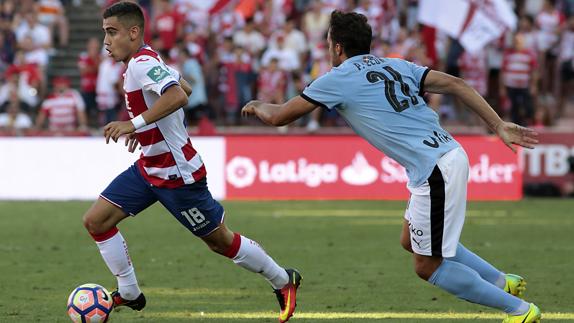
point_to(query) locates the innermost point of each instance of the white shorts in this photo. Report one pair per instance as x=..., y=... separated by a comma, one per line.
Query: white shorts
x=436, y=209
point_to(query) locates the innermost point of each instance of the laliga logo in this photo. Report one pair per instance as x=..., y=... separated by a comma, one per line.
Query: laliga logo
x=241, y=172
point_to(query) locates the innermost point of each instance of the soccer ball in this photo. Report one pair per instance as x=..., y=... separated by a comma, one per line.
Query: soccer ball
x=90, y=303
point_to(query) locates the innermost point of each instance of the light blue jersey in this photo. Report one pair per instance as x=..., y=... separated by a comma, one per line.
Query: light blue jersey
x=381, y=99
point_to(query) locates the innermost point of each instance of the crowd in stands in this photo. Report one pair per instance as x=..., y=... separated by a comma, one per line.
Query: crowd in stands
x=270, y=50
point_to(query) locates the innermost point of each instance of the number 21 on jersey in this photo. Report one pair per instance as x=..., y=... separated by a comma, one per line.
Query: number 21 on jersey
x=390, y=93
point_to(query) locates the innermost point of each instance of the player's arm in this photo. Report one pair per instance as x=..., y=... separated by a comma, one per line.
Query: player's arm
x=185, y=86
x=278, y=114
x=510, y=133
x=171, y=100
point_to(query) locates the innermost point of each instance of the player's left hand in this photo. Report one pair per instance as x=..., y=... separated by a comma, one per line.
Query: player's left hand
x=132, y=142
x=116, y=129
x=513, y=134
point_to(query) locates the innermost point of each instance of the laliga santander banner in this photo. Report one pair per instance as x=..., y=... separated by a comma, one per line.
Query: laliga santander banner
x=347, y=167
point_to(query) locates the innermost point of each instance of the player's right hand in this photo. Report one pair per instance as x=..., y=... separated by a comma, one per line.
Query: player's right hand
x=511, y=133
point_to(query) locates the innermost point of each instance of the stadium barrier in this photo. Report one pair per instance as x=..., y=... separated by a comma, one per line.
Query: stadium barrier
x=257, y=167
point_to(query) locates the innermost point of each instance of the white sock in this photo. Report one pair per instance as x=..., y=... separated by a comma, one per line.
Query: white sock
x=114, y=250
x=249, y=255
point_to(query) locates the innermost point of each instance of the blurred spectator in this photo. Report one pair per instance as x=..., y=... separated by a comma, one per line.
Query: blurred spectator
x=194, y=11
x=197, y=105
x=532, y=7
x=566, y=63
x=330, y=5
x=404, y=44
x=168, y=25
x=249, y=38
x=373, y=12
x=568, y=7
x=276, y=12
x=390, y=24
x=272, y=83
x=7, y=10
x=194, y=46
x=51, y=14
x=288, y=58
x=64, y=108
x=8, y=43
x=549, y=21
x=238, y=76
x=88, y=64
x=412, y=14
x=526, y=28
x=38, y=33
x=108, y=89
x=225, y=23
x=474, y=70
x=315, y=23
x=292, y=37
x=33, y=54
x=519, y=78
x=14, y=121
x=24, y=80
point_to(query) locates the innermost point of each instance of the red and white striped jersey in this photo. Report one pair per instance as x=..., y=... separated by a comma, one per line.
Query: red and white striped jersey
x=517, y=68
x=62, y=109
x=168, y=159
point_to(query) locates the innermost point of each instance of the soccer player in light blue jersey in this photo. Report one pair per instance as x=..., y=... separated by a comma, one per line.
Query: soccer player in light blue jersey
x=381, y=99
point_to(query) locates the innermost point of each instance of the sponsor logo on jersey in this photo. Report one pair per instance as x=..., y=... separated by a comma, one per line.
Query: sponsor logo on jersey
x=157, y=74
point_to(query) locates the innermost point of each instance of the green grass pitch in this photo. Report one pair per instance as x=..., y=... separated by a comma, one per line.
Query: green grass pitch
x=348, y=252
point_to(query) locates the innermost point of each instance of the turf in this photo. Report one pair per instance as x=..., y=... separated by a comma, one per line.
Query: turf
x=347, y=251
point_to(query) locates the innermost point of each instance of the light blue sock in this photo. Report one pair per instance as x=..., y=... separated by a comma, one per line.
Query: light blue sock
x=465, y=283
x=483, y=268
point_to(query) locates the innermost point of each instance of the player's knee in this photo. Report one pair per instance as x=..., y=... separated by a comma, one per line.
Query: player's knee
x=92, y=224
x=426, y=268
x=423, y=272
x=218, y=246
x=219, y=241
x=89, y=224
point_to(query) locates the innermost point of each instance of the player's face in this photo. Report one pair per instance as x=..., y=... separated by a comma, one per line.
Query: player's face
x=117, y=40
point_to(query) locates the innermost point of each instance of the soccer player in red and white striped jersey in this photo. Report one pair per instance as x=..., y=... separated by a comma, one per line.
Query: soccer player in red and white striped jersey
x=169, y=169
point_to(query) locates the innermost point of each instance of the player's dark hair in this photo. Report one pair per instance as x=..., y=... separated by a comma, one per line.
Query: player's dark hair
x=352, y=31
x=129, y=14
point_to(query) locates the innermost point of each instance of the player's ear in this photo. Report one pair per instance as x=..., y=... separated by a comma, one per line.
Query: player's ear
x=134, y=32
x=338, y=49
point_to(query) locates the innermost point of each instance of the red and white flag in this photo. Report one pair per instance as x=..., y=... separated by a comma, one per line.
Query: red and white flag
x=474, y=23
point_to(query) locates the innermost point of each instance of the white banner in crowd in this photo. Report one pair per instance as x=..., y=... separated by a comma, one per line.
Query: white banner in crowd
x=474, y=23
x=80, y=168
